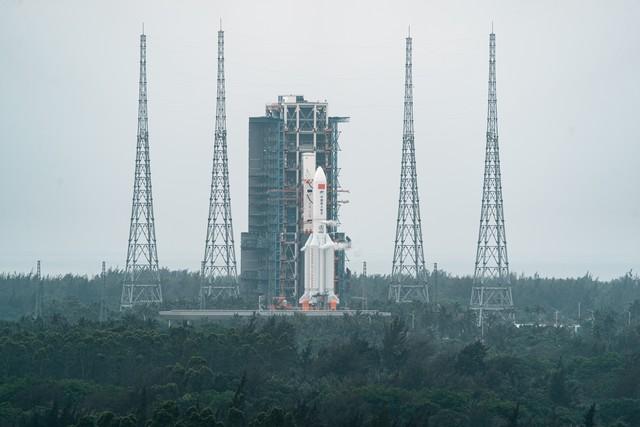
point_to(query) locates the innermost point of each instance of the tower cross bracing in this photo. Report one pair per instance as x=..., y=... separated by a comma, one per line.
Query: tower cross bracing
x=141, y=284
x=219, y=272
x=408, y=274
x=492, y=290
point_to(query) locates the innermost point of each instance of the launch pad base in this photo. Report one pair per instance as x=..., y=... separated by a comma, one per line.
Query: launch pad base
x=190, y=315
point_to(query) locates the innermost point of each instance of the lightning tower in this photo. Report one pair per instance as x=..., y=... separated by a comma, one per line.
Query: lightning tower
x=219, y=273
x=37, y=313
x=492, y=290
x=102, y=315
x=408, y=273
x=141, y=284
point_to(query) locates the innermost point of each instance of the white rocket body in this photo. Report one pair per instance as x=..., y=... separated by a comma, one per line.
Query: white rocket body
x=308, y=172
x=319, y=252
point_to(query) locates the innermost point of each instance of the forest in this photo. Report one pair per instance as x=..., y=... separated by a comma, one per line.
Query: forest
x=572, y=360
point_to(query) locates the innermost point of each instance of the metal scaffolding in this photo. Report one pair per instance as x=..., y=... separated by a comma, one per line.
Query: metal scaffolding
x=291, y=131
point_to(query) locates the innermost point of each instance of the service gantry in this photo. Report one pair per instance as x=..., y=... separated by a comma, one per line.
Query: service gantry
x=285, y=146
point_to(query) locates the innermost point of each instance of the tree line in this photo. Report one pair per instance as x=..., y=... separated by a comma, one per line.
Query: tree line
x=575, y=300
x=423, y=366
x=351, y=371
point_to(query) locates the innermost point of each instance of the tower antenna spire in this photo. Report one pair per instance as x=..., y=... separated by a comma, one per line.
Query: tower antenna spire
x=408, y=273
x=141, y=283
x=492, y=291
x=219, y=272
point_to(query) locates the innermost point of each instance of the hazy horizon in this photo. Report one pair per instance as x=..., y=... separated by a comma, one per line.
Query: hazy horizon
x=568, y=100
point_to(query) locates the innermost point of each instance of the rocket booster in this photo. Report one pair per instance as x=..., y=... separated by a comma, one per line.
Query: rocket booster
x=319, y=252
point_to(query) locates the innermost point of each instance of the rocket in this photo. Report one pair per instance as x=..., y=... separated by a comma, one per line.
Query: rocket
x=319, y=252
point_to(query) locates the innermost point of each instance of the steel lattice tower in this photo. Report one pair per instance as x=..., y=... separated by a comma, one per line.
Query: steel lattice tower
x=37, y=313
x=102, y=315
x=492, y=291
x=141, y=284
x=408, y=274
x=219, y=275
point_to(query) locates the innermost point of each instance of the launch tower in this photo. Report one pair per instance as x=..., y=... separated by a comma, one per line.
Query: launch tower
x=408, y=273
x=286, y=145
x=141, y=284
x=492, y=291
x=219, y=274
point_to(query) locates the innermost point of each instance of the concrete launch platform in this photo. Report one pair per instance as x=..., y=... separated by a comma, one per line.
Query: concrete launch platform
x=179, y=315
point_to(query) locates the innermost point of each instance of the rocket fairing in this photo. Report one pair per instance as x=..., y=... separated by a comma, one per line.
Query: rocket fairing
x=319, y=252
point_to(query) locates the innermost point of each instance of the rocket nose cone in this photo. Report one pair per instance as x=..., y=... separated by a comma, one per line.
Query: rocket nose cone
x=320, y=176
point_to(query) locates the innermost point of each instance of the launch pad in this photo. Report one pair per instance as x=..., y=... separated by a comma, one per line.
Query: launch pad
x=195, y=315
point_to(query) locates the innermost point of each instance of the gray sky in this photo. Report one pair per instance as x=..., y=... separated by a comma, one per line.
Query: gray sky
x=568, y=106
